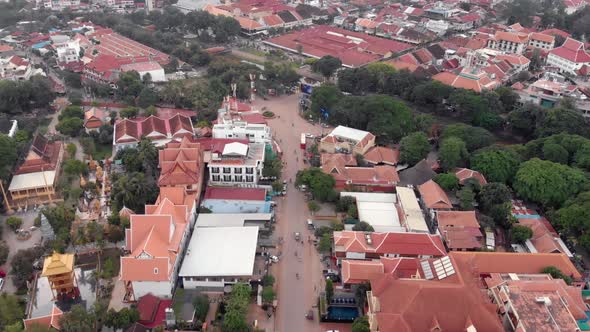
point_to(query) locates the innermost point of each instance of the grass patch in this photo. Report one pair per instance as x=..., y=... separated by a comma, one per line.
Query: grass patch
x=103, y=151
x=253, y=51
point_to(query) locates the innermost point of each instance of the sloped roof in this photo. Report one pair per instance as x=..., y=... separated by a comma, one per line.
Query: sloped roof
x=572, y=50
x=382, y=155
x=58, y=264
x=404, y=244
x=417, y=174
x=433, y=196
x=465, y=173
x=460, y=229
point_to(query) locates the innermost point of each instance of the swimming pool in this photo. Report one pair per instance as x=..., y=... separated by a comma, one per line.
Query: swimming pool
x=342, y=313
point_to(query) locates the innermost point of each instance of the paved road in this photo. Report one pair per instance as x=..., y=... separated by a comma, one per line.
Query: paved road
x=295, y=296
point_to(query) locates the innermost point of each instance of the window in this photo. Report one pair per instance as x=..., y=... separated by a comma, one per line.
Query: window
x=238, y=178
x=227, y=170
x=156, y=270
x=227, y=178
x=249, y=170
x=249, y=178
x=237, y=170
x=216, y=178
x=214, y=169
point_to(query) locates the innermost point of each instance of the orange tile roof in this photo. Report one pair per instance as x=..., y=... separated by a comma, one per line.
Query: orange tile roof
x=181, y=164
x=154, y=238
x=434, y=196
x=465, y=173
x=404, y=244
x=382, y=155
x=517, y=38
x=542, y=238
x=356, y=271
x=456, y=219
x=509, y=262
x=542, y=37
x=401, y=65
x=47, y=322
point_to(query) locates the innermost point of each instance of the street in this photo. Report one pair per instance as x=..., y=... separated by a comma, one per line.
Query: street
x=295, y=295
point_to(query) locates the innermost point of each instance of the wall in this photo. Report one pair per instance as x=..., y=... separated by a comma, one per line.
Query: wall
x=231, y=206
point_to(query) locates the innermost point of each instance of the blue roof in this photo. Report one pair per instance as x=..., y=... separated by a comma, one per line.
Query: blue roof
x=41, y=44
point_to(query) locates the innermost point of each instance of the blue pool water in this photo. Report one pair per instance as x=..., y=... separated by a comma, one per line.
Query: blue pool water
x=343, y=313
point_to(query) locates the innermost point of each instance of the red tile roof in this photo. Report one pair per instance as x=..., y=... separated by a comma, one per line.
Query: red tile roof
x=352, y=48
x=43, y=156
x=404, y=244
x=433, y=196
x=460, y=229
x=247, y=194
x=129, y=130
x=572, y=50
x=181, y=164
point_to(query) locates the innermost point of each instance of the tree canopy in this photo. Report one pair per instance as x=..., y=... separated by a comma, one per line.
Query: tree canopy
x=414, y=148
x=453, y=153
x=320, y=183
x=327, y=65
x=497, y=164
x=474, y=137
x=548, y=183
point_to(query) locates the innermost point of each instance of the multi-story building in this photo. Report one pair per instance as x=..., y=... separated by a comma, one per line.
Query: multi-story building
x=235, y=124
x=155, y=242
x=57, y=4
x=238, y=164
x=15, y=68
x=182, y=165
x=542, y=41
x=68, y=52
x=571, y=58
x=509, y=42
x=347, y=140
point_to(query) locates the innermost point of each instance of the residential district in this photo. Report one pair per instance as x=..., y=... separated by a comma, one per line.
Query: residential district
x=311, y=165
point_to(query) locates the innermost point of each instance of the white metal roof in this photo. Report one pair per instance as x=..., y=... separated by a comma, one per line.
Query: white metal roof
x=414, y=219
x=349, y=133
x=32, y=180
x=220, y=251
x=229, y=219
x=235, y=148
x=378, y=210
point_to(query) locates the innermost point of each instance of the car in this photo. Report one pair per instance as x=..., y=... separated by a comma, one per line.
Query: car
x=297, y=236
x=1, y=283
x=274, y=259
x=308, y=135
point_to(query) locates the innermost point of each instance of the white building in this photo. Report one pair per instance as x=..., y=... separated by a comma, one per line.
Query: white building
x=57, y=4
x=571, y=57
x=378, y=210
x=440, y=27
x=68, y=52
x=219, y=256
x=15, y=68
x=143, y=68
x=238, y=164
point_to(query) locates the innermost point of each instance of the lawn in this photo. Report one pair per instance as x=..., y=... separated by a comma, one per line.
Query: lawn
x=102, y=151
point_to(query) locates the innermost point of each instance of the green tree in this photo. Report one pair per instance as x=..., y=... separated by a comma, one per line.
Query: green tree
x=201, y=305
x=523, y=119
x=521, y=233
x=508, y=97
x=268, y=294
x=493, y=193
x=236, y=309
x=7, y=155
x=574, y=218
x=150, y=110
x=147, y=97
x=361, y=324
x=268, y=280
x=325, y=243
x=320, y=184
x=329, y=290
x=559, y=120
x=71, y=112
x=325, y=96
x=557, y=274
x=447, y=181
x=466, y=198
x=133, y=190
x=474, y=137
x=129, y=85
x=389, y=119
x=11, y=310
x=77, y=320
x=313, y=207
x=121, y=319
x=363, y=226
x=4, y=251
x=71, y=148
x=70, y=126
x=496, y=163
x=453, y=153
x=14, y=222
x=414, y=148
x=129, y=112
x=344, y=203
x=75, y=167
x=548, y=183
x=555, y=153
x=327, y=65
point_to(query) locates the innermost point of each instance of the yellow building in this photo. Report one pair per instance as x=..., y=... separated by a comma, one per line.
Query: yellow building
x=59, y=270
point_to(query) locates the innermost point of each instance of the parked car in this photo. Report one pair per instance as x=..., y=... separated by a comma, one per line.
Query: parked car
x=297, y=236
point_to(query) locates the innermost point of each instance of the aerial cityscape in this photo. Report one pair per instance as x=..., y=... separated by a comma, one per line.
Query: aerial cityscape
x=295, y=166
